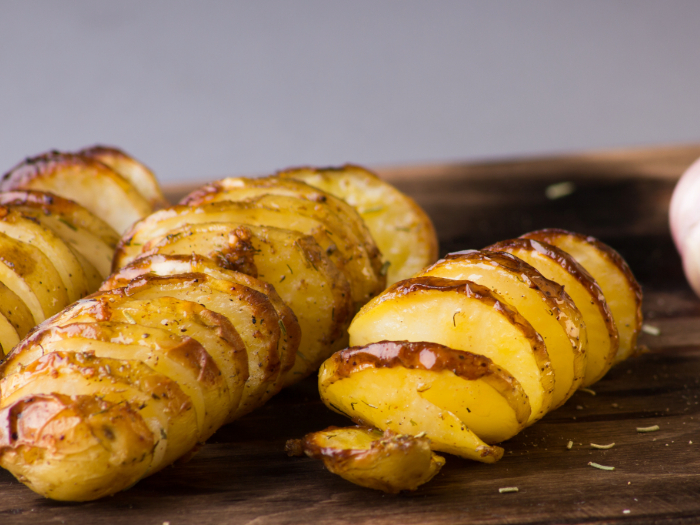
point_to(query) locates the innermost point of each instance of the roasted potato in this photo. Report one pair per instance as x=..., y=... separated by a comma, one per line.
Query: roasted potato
x=383, y=461
x=403, y=232
x=559, y=266
x=84, y=180
x=621, y=290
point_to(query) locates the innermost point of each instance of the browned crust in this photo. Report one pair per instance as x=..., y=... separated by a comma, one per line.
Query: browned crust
x=576, y=270
x=549, y=234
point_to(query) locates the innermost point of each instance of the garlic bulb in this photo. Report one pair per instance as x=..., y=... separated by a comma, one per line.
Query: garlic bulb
x=684, y=218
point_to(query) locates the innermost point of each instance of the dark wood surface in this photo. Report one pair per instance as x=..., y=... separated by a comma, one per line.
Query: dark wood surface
x=243, y=476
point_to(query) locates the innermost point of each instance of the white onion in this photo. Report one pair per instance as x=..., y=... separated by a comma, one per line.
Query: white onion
x=684, y=217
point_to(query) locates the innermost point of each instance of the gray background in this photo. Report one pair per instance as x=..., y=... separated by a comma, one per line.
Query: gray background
x=203, y=89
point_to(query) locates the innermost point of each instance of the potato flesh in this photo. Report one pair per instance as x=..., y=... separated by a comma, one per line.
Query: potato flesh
x=16, y=313
x=396, y=405
x=403, y=232
x=458, y=322
x=567, y=355
x=601, y=349
x=300, y=272
x=619, y=292
x=387, y=462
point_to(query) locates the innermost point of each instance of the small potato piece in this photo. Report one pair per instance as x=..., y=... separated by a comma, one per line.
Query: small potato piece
x=559, y=266
x=242, y=188
x=74, y=448
x=542, y=302
x=14, y=224
x=132, y=170
x=26, y=271
x=15, y=319
x=622, y=291
x=92, y=239
x=464, y=316
x=386, y=461
x=403, y=232
x=459, y=399
x=84, y=180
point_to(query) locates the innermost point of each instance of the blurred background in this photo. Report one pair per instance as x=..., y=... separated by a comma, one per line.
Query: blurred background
x=203, y=89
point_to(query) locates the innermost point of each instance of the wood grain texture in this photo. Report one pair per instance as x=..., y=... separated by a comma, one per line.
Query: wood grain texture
x=243, y=475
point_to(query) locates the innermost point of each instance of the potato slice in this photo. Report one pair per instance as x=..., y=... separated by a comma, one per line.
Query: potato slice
x=316, y=291
x=243, y=188
x=622, y=291
x=86, y=181
x=558, y=266
x=15, y=225
x=403, y=232
x=388, y=384
x=181, y=359
x=545, y=304
x=67, y=447
x=90, y=237
x=15, y=319
x=250, y=312
x=32, y=277
x=183, y=318
x=385, y=461
x=132, y=170
x=464, y=316
x=295, y=214
x=161, y=402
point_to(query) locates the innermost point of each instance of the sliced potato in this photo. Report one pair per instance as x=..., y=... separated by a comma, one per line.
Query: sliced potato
x=295, y=214
x=385, y=461
x=559, y=266
x=16, y=319
x=86, y=181
x=91, y=238
x=485, y=398
x=132, y=170
x=183, y=318
x=75, y=448
x=622, y=291
x=26, y=271
x=250, y=312
x=242, y=188
x=403, y=232
x=19, y=227
x=170, y=415
x=182, y=359
x=545, y=304
x=315, y=290
x=464, y=316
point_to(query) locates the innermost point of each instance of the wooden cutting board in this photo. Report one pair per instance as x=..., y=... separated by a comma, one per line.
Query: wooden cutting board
x=243, y=476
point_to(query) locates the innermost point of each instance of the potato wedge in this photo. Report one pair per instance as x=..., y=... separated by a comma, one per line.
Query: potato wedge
x=182, y=359
x=251, y=313
x=385, y=461
x=464, y=316
x=545, y=304
x=242, y=188
x=161, y=402
x=90, y=237
x=295, y=214
x=26, y=271
x=315, y=290
x=559, y=266
x=74, y=448
x=88, y=182
x=622, y=291
x=213, y=331
x=403, y=232
x=388, y=385
x=24, y=229
x=132, y=170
